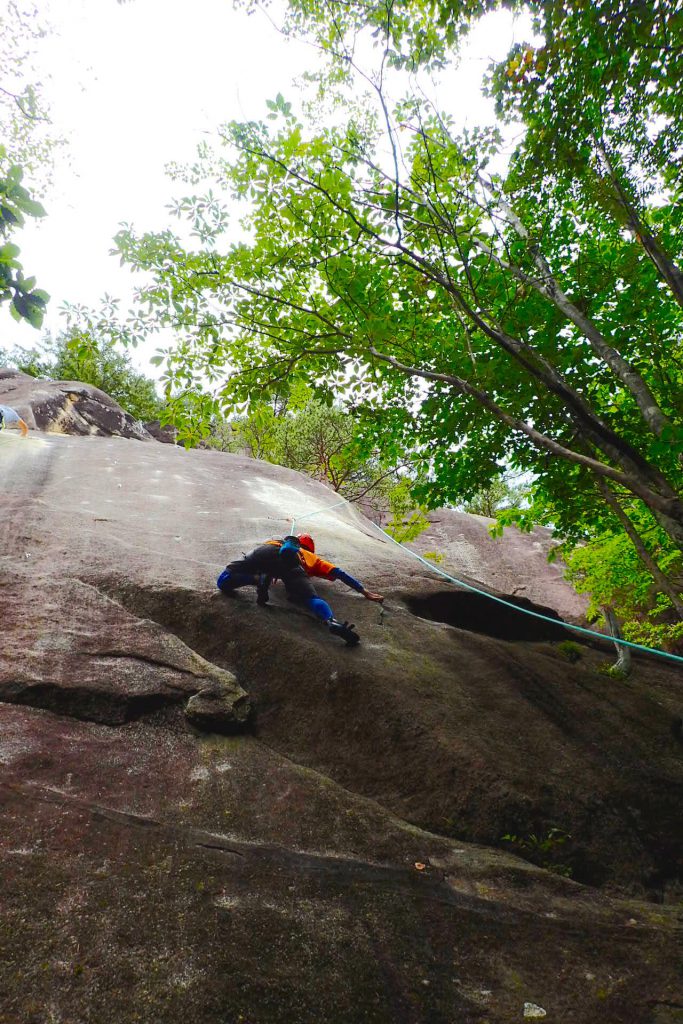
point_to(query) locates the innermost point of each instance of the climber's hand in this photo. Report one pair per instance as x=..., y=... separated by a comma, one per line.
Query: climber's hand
x=369, y=596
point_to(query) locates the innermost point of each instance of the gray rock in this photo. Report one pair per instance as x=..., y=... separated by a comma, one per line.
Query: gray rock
x=345, y=860
x=67, y=407
x=218, y=711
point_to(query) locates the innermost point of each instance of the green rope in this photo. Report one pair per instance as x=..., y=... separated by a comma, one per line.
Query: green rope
x=500, y=600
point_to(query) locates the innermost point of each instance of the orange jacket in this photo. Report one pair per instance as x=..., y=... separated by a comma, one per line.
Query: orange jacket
x=314, y=565
x=311, y=563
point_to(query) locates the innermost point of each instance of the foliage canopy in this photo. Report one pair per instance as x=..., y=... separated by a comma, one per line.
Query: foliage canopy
x=25, y=148
x=479, y=317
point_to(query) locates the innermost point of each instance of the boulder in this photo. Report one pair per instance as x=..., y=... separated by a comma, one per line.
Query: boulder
x=69, y=648
x=450, y=822
x=66, y=407
x=166, y=434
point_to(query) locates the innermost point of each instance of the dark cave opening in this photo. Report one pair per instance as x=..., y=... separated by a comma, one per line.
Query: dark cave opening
x=479, y=614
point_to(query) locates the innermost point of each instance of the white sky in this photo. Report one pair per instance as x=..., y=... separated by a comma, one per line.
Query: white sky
x=134, y=86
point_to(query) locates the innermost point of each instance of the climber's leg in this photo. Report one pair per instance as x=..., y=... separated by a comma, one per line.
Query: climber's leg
x=301, y=591
x=248, y=571
x=320, y=608
x=345, y=631
x=230, y=580
x=262, y=588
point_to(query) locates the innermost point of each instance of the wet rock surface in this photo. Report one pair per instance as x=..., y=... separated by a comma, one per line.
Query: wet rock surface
x=342, y=859
x=212, y=879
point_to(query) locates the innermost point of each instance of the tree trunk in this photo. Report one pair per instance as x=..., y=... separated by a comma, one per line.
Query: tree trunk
x=662, y=582
x=666, y=267
x=623, y=663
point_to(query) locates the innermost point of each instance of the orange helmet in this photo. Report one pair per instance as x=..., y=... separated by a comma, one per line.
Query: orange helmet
x=307, y=542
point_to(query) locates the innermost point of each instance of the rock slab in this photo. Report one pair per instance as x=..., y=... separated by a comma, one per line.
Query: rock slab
x=344, y=858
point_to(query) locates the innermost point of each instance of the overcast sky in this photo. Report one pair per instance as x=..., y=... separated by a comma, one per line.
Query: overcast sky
x=134, y=86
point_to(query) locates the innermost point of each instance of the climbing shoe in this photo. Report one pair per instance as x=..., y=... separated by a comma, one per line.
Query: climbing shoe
x=262, y=586
x=345, y=630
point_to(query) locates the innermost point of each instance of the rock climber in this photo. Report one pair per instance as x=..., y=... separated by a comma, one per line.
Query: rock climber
x=10, y=417
x=293, y=560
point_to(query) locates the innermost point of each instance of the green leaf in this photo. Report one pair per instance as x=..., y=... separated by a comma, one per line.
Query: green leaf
x=32, y=207
x=9, y=251
x=8, y=216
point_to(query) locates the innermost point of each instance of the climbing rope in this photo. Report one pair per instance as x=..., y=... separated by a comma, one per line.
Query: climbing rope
x=500, y=600
x=308, y=515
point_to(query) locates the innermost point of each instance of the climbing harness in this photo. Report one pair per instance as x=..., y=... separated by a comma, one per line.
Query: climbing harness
x=499, y=600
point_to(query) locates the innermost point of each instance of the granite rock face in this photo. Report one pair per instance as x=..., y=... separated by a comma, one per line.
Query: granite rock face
x=340, y=855
x=519, y=567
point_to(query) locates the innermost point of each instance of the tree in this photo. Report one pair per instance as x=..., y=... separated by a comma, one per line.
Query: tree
x=608, y=568
x=530, y=319
x=502, y=494
x=27, y=301
x=25, y=148
x=321, y=440
x=616, y=551
x=24, y=115
x=252, y=434
x=354, y=271
x=602, y=112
